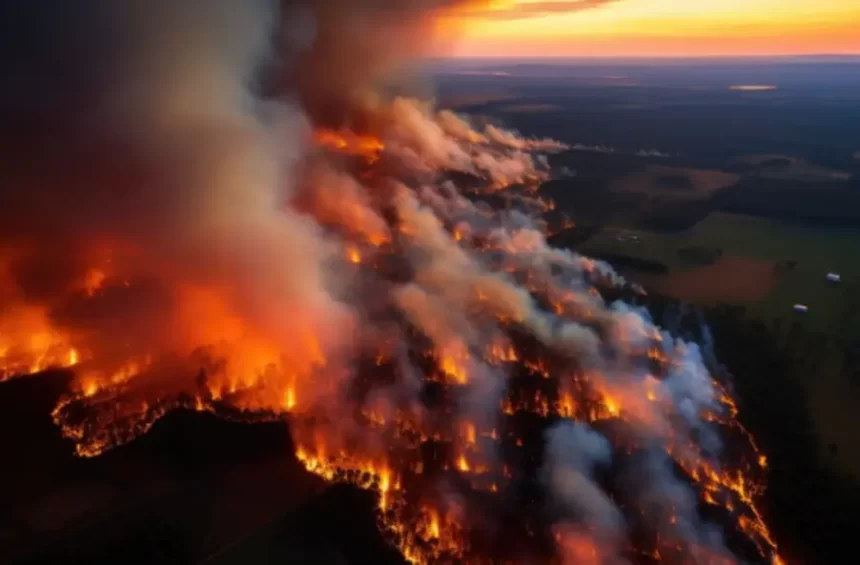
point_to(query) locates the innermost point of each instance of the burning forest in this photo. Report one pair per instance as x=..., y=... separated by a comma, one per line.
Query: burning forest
x=231, y=216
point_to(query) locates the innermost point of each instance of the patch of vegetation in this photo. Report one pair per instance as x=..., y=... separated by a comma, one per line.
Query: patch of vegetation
x=672, y=217
x=622, y=190
x=802, y=254
x=826, y=203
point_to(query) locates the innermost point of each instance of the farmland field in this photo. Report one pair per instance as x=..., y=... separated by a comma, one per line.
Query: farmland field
x=680, y=183
x=801, y=257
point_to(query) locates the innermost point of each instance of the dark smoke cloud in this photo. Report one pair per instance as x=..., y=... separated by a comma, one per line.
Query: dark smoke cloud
x=86, y=83
x=171, y=134
x=166, y=142
x=354, y=42
x=140, y=126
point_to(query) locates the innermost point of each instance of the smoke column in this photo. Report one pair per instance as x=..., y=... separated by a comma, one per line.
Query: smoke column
x=211, y=205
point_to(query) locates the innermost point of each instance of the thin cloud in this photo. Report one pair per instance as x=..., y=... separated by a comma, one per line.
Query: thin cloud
x=522, y=11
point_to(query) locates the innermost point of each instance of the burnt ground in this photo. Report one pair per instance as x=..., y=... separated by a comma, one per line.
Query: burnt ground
x=194, y=490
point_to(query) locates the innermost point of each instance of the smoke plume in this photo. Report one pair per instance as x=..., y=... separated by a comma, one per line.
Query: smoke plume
x=218, y=205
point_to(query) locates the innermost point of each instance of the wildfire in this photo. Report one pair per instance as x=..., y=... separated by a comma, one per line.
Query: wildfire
x=93, y=281
x=28, y=344
x=567, y=406
x=612, y=407
x=502, y=353
x=469, y=435
x=354, y=255
x=290, y=399
x=431, y=374
x=463, y=464
x=422, y=536
x=453, y=366
x=368, y=147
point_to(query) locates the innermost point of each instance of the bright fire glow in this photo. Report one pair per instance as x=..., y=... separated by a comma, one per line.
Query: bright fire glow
x=425, y=408
x=366, y=146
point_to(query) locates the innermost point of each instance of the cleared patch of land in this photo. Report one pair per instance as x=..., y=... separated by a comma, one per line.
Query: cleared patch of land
x=680, y=183
x=732, y=278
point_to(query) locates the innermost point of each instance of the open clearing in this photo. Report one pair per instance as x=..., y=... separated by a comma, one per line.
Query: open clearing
x=677, y=182
x=732, y=278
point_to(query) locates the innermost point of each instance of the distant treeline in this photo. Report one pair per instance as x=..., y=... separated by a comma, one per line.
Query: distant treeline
x=588, y=198
x=820, y=203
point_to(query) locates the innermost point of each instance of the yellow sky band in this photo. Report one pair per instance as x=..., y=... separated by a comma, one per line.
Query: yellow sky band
x=661, y=27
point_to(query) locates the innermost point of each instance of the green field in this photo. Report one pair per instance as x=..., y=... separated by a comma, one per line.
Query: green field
x=816, y=251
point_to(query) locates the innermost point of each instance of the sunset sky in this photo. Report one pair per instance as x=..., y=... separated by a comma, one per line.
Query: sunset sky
x=656, y=27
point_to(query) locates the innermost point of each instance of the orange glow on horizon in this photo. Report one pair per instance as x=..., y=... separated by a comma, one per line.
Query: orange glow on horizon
x=510, y=28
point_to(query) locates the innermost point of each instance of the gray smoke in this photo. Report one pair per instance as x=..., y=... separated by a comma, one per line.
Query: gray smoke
x=169, y=144
x=573, y=453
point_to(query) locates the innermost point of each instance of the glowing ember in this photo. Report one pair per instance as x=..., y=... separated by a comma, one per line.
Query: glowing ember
x=365, y=146
x=94, y=280
x=290, y=399
x=354, y=255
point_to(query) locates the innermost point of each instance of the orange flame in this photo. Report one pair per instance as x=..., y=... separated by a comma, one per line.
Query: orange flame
x=366, y=146
x=247, y=369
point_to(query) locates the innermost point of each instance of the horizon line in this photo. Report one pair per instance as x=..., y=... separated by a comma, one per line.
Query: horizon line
x=851, y=55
